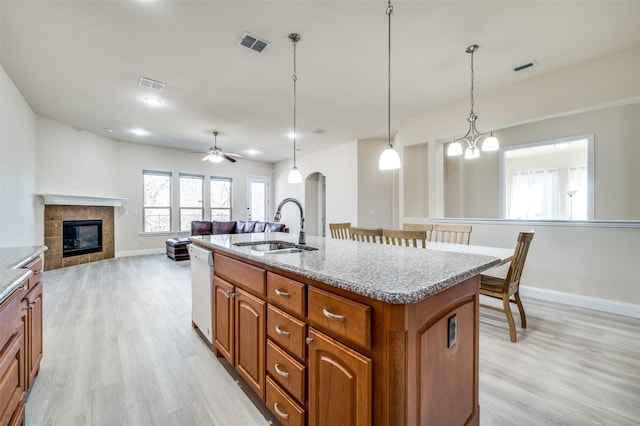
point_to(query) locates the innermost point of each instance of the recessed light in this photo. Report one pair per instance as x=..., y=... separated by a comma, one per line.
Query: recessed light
x=252, y=151
x=139, y=132
x=150, y=100
x=292, y=135
x=108, y=130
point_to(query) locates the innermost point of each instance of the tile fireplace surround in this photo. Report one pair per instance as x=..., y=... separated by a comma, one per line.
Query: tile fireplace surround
x=53, y=217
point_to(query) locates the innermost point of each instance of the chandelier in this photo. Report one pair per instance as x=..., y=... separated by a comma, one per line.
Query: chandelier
x=473, y=136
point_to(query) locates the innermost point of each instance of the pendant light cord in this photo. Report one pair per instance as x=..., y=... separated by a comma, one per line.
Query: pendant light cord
x=295, y=79
x=472, y=78
x=389, y=12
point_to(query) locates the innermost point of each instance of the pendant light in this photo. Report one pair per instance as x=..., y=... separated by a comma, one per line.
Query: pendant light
x=473, y=136
x=389, y=159
x=294, y=174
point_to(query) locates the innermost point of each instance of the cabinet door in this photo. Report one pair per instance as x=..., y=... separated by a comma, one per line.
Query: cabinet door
x=11, y=378
x=34, y=334
x=223, y=312
x=250, y=339
x=339, y=383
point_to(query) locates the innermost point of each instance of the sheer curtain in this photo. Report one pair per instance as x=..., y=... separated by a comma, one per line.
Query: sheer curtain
x=534, y=195
x=578, y=202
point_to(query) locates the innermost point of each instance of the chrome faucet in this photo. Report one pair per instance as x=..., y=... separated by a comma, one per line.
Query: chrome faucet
x=301, y=237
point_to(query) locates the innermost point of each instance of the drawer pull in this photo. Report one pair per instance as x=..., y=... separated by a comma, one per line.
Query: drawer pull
x=23, y=287
x=308, y=340
x=331, y=315
x=280, y=371
x=281, y=331
x=280, y=412
x=282, y=293
x=39, y=271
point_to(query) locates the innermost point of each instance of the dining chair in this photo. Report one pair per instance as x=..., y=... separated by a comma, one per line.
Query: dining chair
x=340, y=230
x=402, y=237
x=455, y=234
x=504, y=288
x=370, y=235
x=419, y=227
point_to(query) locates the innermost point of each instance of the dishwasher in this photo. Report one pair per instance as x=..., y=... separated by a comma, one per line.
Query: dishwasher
x=201, y=290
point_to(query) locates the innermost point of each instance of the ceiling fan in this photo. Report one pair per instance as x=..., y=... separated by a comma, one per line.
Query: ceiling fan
x=216, y=155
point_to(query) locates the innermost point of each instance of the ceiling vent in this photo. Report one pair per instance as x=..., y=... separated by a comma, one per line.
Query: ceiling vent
x=524, y=66
x=319, y=131
x=254, y=43
x=151, y=84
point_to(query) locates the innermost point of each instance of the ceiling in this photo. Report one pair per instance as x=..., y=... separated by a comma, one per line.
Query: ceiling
x=79, y=62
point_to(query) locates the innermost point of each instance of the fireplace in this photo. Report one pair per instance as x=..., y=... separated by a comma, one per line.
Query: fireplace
x=81, y=237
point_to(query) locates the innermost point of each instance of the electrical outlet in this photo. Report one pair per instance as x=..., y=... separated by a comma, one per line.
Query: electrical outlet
x=452, y=331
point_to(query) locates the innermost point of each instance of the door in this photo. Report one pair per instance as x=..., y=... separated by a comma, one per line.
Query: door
x=258, y=198
x=223, y=324
x=251, y=314
x=314, y=198
x=339, y=383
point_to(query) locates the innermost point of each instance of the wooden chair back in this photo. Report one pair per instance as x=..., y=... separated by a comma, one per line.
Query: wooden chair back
x=512, y=281
x=369, y=235
x=428, y=227
x=402, y=237
x=340, y=230
x=454, y=234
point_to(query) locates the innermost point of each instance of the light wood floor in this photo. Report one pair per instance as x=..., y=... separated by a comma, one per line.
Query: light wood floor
x=120, y=350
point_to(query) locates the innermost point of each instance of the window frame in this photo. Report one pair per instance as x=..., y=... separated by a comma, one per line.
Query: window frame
x=590, y=171
x=181, y=207
x=211, y=206
x=145, y=207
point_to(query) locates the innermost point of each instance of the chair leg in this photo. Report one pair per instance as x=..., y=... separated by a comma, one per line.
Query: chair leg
x=523, y=317
x=509, y=315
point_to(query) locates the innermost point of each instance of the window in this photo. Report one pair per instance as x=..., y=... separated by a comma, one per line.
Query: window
x=220, y=198
x=156, y=201
x=549, y=180
x=191, y=195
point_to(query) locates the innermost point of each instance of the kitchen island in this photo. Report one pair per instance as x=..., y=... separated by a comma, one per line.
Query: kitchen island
x=351, y=333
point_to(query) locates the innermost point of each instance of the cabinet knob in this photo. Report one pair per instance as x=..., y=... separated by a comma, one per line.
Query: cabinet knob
x=282, y=293
x=280, y=371
x=331, y=315
x=281, y=331
x=308, y=340
x=23, y=287
x=279, y=411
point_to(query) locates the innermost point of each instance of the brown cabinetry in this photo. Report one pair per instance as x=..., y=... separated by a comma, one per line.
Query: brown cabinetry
x=12, y=359
x=33, y=331
x=240, y=319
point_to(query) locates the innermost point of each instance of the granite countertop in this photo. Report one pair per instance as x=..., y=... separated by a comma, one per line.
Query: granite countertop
x=11, y=272
x=391, y=274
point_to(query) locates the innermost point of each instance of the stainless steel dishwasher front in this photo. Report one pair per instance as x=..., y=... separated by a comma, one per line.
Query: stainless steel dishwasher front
x=201, y=290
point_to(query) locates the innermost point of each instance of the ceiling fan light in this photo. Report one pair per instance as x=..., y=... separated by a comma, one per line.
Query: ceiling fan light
x=216, y=158
x=389, y=159
x=454, y=149
x=490, y=143
x=294, y=175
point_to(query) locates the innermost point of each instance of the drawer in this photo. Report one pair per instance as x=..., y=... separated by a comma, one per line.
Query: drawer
x=36, y=267
x=286, y=410
x=287, y=331
x=239, y=273
x=286, y=294
x=345, y=318
x=10, y=315
x=285, y=370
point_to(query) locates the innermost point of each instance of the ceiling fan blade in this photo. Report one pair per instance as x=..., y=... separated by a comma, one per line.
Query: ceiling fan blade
x=226, y=157
x=231, y=154
x=206, y=157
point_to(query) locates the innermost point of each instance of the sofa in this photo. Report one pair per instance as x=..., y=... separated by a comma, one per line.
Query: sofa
x=205, y=227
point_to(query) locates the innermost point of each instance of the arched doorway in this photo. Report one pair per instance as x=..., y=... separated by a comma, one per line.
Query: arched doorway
x=314, y=204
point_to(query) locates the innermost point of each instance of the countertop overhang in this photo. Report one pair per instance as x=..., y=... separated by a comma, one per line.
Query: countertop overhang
x=392, y=274
x=12, y=259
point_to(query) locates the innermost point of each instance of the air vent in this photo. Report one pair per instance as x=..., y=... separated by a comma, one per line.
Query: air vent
x=524, y=66
x=254, y=43
x=319, y=131
x=151, y=84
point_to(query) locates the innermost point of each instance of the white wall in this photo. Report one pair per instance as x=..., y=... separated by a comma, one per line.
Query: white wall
x=339, y=164
x=17, y=168
x=104, y=167
x=376, y=189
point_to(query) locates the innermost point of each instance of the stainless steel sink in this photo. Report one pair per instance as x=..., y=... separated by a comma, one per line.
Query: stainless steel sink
x=276, y=247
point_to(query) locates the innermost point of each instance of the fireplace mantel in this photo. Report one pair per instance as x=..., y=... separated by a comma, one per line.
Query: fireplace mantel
x=80, y=200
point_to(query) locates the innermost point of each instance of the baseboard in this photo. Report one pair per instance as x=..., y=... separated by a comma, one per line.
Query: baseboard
x=128, y=253
x=603, y=305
